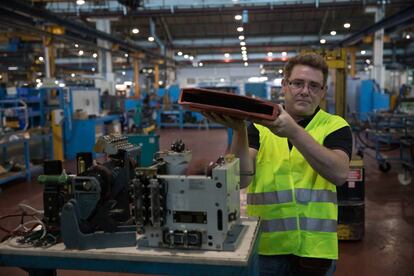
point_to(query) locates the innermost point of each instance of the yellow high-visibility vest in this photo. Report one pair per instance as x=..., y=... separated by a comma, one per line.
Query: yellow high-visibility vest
x=297, y=206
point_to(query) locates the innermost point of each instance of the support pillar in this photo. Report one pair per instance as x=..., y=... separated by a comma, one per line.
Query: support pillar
x=378, y=72
x=50, y=67
x=105, y=58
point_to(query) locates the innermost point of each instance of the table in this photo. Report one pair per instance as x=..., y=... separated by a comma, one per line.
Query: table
x=39, y=261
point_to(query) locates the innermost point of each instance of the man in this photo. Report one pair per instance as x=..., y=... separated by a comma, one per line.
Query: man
x=291, y=167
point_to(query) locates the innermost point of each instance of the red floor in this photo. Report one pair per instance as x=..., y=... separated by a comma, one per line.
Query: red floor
x=388, y=246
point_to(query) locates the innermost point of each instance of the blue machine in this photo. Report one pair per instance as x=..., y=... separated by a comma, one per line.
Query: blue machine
x=259, y=90
x=371, y=98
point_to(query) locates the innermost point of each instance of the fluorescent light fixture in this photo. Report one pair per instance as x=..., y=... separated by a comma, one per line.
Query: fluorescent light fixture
x=151, y=38
x=269, y=54
x=93, y=69
x=190, y=57
x=128, y=83
x=80, y=2
x=322, y=41
x=41, y=59
x=363, y=52
x=56, y=82
x=72, y=75
x=333, y=32
x=80, y=52
x=242, y=43
x=240, y=29
x=284, y=54
x=243, y=48
x=280, y=71
x=135, y=30
x=76, y=45
x=367, y=61
x=123, y=73
x=38, y=80
x=180, y=53
x=238, y=17
x=222, y=80
x=244, y=52
x=241, y=37
x=200, y=64
x=226, y=55
x=246, y=64
x=257, y=79
x=347, y=25
x=13, y=68
x=94, y=55
x=185, y=56
x=407, y=36
x=245, y=58
x=62, y=84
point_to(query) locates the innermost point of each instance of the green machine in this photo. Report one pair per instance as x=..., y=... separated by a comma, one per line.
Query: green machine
x=149, y=143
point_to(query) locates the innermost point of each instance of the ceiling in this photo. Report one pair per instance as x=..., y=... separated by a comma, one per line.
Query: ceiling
x=204, y=30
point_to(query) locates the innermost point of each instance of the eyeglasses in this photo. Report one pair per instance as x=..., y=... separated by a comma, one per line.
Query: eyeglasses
x=313, y=87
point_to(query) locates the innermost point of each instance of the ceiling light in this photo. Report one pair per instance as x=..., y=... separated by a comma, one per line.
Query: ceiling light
x=94, y=55
x=76, y=45
x=56, y=82
x=243, y=48
x=240, y=29
x=241, y=37
x=333, y=32
x=93, y=69
x=80, y=52
x=246, y=64
x=72, y=75
x=367, y=61
x=226, y=55
x=242, y=43
x=222, y=80
x=135, y=30
x=62, y=84
x=408, y=36
x=123, y=73
x=280, y=71
x=244, y=52
x=284, y=54
x=41, y=59
x=185, y=56
x=200, y=64
x=363, y=52
x=347, y=25
x=180, y=53
x=238, y=17
x=191, y=57
x=245, y=58
x=322, y=41
x=126, y=55
x=151, y=38
x=269, y=54
x=38, y=80
x=80, y=2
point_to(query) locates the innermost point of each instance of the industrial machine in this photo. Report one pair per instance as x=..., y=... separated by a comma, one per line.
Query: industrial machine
x=174, y=210
x=106, y=205
x=92, y=208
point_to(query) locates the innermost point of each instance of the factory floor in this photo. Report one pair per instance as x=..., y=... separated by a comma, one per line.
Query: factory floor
x=388, y=245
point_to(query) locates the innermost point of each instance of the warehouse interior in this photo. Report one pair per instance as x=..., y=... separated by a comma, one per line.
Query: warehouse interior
x=91, y=109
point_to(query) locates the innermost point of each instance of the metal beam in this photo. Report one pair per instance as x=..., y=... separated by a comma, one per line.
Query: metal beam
x=388, y=22
x=27, y=10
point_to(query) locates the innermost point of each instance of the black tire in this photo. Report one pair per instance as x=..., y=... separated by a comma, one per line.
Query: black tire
x=384, y=167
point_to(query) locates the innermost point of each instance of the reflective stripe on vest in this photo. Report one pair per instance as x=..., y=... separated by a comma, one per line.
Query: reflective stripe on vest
x=306, y=224
x=279, y=225
x=302, y=196
x=269, y=197
x=321, y=225
x=309, y=195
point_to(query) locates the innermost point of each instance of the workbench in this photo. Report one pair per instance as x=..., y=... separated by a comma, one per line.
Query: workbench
x=38, y=261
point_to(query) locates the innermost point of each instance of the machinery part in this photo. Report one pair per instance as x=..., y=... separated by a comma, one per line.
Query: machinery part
x=384, y=166
x=405, y=177
x=200, y=211
x=178, y=146
x=111, y=144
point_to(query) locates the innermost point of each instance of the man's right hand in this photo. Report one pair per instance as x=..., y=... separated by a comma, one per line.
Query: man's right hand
x=230, y=122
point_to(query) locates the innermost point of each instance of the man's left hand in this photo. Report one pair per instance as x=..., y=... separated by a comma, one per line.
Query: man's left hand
x=283, y=126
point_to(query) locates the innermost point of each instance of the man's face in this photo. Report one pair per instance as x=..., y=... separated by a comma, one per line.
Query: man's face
x=303, y=91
